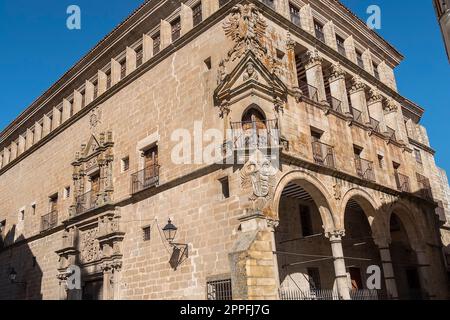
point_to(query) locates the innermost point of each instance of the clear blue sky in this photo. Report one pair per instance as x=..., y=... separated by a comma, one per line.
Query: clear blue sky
x=37, y=49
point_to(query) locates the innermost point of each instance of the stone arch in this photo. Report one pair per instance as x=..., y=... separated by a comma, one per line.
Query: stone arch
x=406, y=214
x=253, y=107
x=371, y=209
x=317, y=191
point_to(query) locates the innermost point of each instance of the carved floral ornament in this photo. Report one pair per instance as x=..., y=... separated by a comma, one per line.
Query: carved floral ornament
x=312, y=57
x=375, y=96
x=390, y=106
x=336, y=72
x=357, y=84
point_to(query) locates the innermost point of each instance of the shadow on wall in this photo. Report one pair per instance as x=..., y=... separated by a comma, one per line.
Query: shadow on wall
x=20, y=258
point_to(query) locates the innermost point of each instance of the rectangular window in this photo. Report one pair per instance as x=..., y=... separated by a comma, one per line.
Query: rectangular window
x=318, y=27
x=53, y=203
x=418, y=156
x=340, y=45
x=356, y=279
x=225, y=185
x=219, y=290
x=146, y=233
x=375, y=71
x=139, y=56
x=380, y=161
x=197, y=14
x=359, y=59
x=357, y=151
x=33, y=209
x=314, y=278
x=176, y=29
x=22, y=215
x=156, y=43
x=306, y=221
x=295, y=14
x=125, y=164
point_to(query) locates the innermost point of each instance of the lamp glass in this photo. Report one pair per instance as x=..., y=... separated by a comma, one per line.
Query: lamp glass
x=170, y=231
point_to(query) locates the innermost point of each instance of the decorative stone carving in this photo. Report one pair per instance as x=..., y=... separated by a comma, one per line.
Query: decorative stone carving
x=259, y=173
x=250, y=72
x=335, y=234
x=337, y=191
x=375, y=96
x=357, y=84
x=222, y=72
x=89, y=246
x=390, y=106
x=336, y=72
x=94, y=119
x=311, y=58
x=247, y=28
x=290, y=44
x=298, y=94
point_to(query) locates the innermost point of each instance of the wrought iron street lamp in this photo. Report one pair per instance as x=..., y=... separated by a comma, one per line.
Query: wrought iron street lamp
x=180, y=250
x=170, y=231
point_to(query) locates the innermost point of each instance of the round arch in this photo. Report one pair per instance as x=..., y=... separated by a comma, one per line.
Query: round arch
x=316, y=190
x=371, y=209
x=406, y=215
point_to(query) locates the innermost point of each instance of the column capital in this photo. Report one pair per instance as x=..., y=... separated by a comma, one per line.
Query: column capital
x=357, y=84
x=375, y=96
x=390, y=106
x=312, y=58
x=336, y=72
x=335, y=234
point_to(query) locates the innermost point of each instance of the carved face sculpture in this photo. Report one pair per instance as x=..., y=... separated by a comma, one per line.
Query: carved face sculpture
x=259, y=171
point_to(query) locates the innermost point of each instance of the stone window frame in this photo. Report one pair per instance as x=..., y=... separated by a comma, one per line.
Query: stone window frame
x=224, y=194
x=151, y=141
x=145, y=234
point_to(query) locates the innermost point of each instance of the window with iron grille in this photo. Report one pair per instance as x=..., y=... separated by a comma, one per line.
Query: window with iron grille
x=318, y=27
x=176, y=29
x=197, y=14
x=146, y=233
x=340, y=45
x=219, y=290
x=418, y=156
x=295, y=14
x=225, y=185
x=125, y=164
x=156, y=43
x=359, y=59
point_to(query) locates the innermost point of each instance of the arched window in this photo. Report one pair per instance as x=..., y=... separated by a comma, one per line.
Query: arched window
x=253, y=118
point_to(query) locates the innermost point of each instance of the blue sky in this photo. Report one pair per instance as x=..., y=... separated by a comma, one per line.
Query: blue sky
x=37, y=49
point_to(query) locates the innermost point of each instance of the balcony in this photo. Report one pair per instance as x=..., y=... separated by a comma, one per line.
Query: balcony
x=248, y=135
x=308, y=90
x=49, y=221
x=391, y=134
x=86, y=202
x=364, y=169
x=375, y=124
x=402, y=181
x=323, y=154
x=144, y=179
x=335, y=104
x=357, y=115
x=424, y=187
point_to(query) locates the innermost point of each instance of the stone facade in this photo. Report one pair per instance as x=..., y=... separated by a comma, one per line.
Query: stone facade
x=325, y=169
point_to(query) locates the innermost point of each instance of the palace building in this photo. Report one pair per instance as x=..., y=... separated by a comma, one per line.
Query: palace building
x=326, y=188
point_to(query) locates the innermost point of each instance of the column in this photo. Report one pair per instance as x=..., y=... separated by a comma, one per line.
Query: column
x=209, y=7
x=282, y=7
x=147, y=47
x=116, y=70
x=186, y=18
x=350, y=49
x=358, y=98
x=166, y=34
x=330, y=35
x=107, y=279
x=306, y=19
x=77, y=101
x=338, y=88
x=314, y=73
x=56, y=118
x=339, y=263
x=131, y=60
x=66, y=110
x=388, y=269
x=375, y=106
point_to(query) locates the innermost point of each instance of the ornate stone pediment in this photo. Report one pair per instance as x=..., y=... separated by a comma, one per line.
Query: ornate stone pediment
x=250, y=76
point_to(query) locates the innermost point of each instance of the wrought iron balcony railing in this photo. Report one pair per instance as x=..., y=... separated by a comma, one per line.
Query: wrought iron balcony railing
x=308, y=90
x=320, y=35
x=329, y=294
x=391, y=133
x=402, y=182
x=375, y=124
x=145, y=178
x=250, y=135
x=424, y=187
x=49, y=221
x=357, y=115
x=335, y=104
x=86, y=202
x=341, y=50
x=364, y=169
x=323, y=154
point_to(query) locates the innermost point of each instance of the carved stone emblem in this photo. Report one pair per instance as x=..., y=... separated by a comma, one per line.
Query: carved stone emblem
x=89, y=247
x=337, y=188
x=390, y=106
x=336, y=72
x=250, y=72
x=94, y=119
x=259, y=173
x=247, y=29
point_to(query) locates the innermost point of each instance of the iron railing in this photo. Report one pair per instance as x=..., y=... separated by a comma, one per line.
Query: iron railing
x=323, y=154
x=145, y=178
x=360, y=62
x=391, y=133
x=375, y=124
x=357, y=115
x=402, y=182
x=320, y=35
x=335, y=104
x=329, y=294
x=341, y=50
x=424, y=187
x=309, y=90
x=49, y=221
x=364, y=169
x=250, y=135
x=366, y=294
x=86, y=202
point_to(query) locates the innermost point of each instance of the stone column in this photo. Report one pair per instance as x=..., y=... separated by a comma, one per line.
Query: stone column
x=358, y=98
x=102, y=82
x=391, y=114
x=88, y=92
x=186, y=19
x=375, y=106
x=367, y=60
x=46, y=125
x=37, y=132
x=77, y=101
x=29, y=140
x=314, y=73
x=107, y=280
x=338, y=88
x=339, y=263
x=21, y=145
x=388, y=269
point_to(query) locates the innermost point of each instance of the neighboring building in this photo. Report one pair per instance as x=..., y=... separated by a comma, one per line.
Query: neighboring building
x=443, y=14
x=325, y=169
